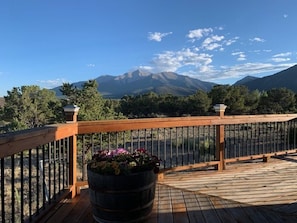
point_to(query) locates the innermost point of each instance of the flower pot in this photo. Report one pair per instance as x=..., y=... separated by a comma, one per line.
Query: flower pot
x=122, y=198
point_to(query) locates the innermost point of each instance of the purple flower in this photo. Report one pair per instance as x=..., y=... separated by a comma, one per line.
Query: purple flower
x=118, y=151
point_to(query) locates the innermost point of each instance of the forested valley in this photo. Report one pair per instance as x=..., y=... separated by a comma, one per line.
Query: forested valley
x=30, y=106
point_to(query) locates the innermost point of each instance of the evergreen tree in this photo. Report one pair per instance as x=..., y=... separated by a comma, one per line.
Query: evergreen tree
x=277, y=100
x=30, y=107
x=199, y=103
x=92, y=105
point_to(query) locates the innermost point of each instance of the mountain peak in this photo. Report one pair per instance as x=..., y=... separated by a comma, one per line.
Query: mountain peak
x=142, y=81
x=245, y=80
x=283, y=79
x=134, y=75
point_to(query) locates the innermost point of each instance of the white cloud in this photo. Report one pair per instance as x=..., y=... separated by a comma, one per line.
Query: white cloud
x=253, y=68
x=157, y=36
x=52, y=83
x=280, y=59
x=195, y=62
x=241, y=70
x=145, y=67
x=172, y=61
x=211, y=43
x=240, y=56
x=91, y=65
x=282, y=54
x=231, y=41
x=257, y=39
x=236, y=72
x=197, y=34
x=285, y=16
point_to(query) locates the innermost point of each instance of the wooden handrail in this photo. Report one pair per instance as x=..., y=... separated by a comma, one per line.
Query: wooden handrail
x=85, y=127
x=16, y=142
x=13, y=143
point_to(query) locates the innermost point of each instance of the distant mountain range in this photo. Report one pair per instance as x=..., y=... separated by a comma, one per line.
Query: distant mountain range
x=140, y=82
x=283, y=79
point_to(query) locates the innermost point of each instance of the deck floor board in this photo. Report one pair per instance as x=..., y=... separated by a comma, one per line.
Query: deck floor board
x=247, y=192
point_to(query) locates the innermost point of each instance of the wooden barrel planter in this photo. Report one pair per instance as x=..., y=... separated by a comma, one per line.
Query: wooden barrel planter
x=122, y=198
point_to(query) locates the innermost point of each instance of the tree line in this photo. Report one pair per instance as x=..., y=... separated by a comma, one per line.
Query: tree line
x=30, y=106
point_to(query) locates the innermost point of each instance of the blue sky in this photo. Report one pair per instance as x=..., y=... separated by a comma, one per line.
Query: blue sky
x=48, y=42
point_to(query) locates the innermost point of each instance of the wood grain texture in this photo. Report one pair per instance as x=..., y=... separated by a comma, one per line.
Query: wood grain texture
x=247, y=192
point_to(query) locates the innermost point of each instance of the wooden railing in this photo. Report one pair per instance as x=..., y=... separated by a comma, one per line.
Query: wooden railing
x=43, y=165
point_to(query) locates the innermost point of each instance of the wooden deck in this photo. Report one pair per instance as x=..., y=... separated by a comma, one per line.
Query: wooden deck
x=247, y=192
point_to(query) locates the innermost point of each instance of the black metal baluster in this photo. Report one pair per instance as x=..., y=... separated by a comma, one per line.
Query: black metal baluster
x=43, y=177
x=192, y=144
x=55, y=167
x=164, y=148
x=110, y=146
x=2, y=191
x=152, y=142
x=67, y=161
x=171, y=147
x=12, y=189
x=22, y=186
x=188, y=146
x=183, y=145
x=214, y=142
x=294, y=134
x=287, y=135
x=59, y=165
x=138, y=138
x=49, y=172
x=204, y=142
x=63, y=162
x=145, y=139
x=30, y=184
x=228, y=130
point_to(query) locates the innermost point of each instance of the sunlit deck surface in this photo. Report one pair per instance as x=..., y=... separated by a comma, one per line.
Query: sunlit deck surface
x=247, y=192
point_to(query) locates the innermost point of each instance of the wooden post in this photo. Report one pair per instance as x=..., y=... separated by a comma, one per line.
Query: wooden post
x=220, y=138
x=71, y=112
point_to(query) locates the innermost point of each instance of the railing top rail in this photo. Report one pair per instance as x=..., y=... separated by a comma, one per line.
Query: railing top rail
x=15, y=142
x=85, y=127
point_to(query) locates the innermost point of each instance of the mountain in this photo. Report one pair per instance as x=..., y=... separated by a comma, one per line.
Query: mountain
x=283, y=79
x=245, y=80
x=140, y=82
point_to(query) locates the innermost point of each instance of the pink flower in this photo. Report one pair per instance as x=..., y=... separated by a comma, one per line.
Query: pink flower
x=117, y=152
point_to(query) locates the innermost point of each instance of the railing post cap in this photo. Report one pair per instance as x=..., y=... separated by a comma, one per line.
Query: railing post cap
x=220, y=107
x=71, y=108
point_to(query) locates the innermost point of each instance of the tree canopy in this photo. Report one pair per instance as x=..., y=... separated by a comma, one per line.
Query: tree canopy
x=92, y=105
x=30, y=107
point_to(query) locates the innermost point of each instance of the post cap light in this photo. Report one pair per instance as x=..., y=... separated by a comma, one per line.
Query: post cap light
x=220, y=107
x=71, y=108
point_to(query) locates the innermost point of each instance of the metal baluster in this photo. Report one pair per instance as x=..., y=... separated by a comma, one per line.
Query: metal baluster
x=164, y=148
x=22, y=185
x=12, y=189
x=49, y=172
x=171, y=147
x=37, y=180
x=2, y=191
x=59, y=165
x=30, y=184
x=63, y=151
